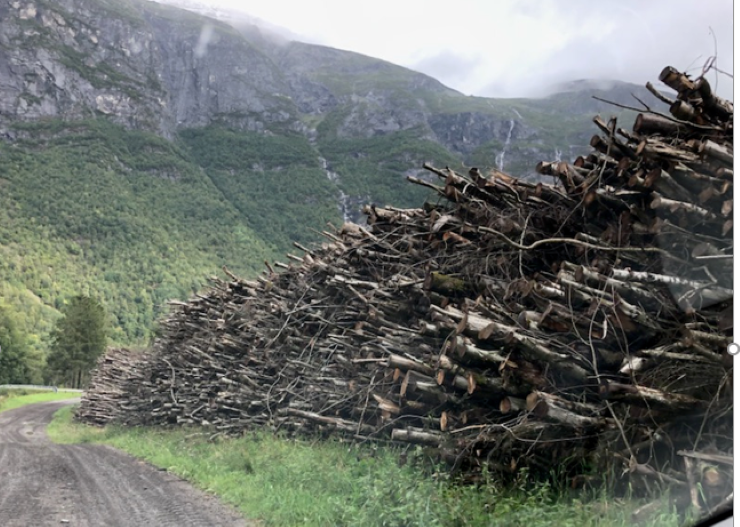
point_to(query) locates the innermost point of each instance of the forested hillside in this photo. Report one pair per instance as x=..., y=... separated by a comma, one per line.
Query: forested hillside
x=134, y=165
x=125, y=216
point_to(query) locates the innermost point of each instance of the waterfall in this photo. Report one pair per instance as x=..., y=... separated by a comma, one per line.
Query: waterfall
x=500, y=157
x=558, y=155
x=345, y=203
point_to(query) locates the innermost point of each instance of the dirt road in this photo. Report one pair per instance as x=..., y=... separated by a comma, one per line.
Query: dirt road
x=89, y=485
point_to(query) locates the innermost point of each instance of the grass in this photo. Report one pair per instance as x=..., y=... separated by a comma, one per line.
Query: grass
x=10, y=399
x=287, y=482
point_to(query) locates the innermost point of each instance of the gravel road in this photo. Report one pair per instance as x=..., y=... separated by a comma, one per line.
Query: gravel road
x=44, y=484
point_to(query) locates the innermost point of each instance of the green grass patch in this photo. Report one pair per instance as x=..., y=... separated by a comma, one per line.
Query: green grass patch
x=287, y=482
x=10, y=399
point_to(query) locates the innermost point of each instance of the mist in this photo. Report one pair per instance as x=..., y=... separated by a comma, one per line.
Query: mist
x=511, y=48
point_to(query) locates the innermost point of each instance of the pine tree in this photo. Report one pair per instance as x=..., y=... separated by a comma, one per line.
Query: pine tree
x=78, y=339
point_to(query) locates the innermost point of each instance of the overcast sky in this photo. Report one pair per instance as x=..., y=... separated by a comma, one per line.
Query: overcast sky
x=507, y=48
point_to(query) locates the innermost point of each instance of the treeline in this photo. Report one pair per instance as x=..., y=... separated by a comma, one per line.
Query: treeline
x=78, y=338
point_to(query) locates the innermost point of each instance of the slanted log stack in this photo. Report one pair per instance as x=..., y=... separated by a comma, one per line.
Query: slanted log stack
x=505, y=324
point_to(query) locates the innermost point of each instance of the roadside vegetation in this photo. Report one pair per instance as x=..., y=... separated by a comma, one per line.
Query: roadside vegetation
x=10, y=399
x=289, y=482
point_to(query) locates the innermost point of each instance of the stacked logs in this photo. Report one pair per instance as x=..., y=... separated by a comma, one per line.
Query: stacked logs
x=105, y=396
x=508, y=324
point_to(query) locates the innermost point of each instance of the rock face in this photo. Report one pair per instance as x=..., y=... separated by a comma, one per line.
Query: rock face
x=465, y=131
x=142, y=64
x=161, y=68
x=70, y=60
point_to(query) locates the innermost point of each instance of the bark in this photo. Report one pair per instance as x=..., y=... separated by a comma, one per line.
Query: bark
x=648, y=124
x=413, y=435
x=713, y=105
x=683, y=111
x=676, y=80
x=650, y=397
x=717, y=152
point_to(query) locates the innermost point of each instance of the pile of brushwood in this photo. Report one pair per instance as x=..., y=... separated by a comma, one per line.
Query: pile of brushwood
x=578, y=329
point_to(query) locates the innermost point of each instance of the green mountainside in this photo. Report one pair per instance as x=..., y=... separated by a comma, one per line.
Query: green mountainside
x=123, y=215
x=132, y=168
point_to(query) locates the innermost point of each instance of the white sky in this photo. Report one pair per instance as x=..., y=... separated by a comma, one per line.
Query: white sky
x=506, y=48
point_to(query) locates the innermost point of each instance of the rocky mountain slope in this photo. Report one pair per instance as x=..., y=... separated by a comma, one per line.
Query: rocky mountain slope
x=163, y=69
x=144, y=146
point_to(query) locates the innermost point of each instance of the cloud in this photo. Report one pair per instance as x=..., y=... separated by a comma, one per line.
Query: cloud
x=449, y=65
x=624, y=41
x=507, y=48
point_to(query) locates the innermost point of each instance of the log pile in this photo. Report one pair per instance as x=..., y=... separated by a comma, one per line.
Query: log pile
x=106, y=395
x=580, y=325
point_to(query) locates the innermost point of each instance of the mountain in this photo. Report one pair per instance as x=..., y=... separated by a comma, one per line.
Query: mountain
x=144, y=146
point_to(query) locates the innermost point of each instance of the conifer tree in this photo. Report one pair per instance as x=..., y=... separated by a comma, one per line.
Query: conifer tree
x=78, y=339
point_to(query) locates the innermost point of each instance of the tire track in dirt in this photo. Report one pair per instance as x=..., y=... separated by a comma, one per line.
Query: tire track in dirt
x=90, y=485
